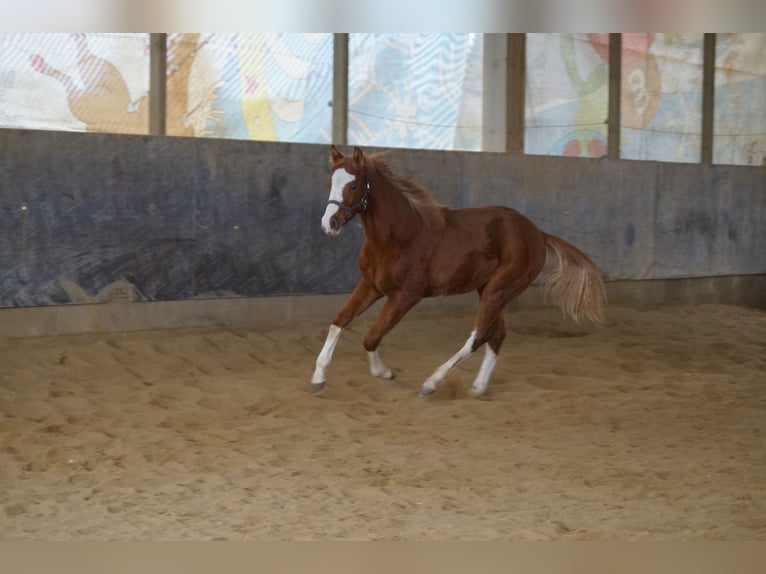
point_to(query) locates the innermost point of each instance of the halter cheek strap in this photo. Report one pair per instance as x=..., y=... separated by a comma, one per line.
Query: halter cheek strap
x=359, y=206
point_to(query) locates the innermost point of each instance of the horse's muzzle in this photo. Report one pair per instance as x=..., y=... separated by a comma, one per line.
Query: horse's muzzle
x=336, y=222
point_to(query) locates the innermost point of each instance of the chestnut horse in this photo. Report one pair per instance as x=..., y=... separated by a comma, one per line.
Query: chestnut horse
x=415, y=247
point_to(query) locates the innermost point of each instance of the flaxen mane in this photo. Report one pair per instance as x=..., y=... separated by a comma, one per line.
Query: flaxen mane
x=432, y=212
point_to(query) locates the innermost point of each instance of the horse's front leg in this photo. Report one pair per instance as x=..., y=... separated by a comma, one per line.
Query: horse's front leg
x=360, y=300
x=395, y=308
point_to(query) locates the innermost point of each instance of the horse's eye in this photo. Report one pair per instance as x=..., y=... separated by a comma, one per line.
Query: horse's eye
x=353, y=185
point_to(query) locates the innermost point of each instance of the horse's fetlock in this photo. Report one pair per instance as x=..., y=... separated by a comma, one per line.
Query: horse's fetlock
x=370, y=342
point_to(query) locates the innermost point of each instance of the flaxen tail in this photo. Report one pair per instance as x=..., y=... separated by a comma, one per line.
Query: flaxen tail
x=572, y=281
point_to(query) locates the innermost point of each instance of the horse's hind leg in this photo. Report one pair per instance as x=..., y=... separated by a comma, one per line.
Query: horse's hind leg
x=489, y=327
x=494, y=334
x=430, y=385
x=491, y=351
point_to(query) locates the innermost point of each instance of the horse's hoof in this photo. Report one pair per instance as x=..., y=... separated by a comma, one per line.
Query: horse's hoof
x=425, y=392
x=317, y=388
x=477, y=392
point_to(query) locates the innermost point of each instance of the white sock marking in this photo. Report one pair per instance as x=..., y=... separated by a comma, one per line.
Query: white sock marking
x=482, y=378
x=339, y=181
x=377, y=368
x=455, y=360
x=325, y=355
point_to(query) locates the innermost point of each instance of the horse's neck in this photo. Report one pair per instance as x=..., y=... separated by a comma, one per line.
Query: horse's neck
x=389, y=214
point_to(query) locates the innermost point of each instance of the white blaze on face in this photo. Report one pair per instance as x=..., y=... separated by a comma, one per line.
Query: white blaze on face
x=339, y=180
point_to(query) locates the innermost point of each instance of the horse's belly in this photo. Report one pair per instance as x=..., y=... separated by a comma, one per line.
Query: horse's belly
x=455, y=276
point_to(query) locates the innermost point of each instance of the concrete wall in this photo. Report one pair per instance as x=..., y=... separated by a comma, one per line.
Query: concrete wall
x=316, y=311
x=90, y=217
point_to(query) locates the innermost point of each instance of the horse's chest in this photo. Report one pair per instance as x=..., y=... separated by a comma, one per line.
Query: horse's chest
x=387, y=271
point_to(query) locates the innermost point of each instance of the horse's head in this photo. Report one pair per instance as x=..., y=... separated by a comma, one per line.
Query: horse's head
x=349, y=187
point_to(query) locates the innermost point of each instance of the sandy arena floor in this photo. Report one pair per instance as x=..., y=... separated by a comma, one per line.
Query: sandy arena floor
x=653, y=428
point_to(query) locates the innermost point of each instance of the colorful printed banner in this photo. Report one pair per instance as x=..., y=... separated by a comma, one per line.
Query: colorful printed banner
x=405, y=90
x=415, y=90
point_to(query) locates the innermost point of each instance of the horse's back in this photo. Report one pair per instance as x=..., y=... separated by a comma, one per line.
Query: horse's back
x=501, y=226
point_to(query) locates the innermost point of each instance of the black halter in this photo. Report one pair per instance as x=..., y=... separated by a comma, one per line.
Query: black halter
x=359, y=206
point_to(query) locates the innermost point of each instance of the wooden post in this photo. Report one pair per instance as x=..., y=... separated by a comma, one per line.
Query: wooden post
x=516, y=90
x=340, y=90
x=708, y=98
x=494, y=126
x=157, y=83
x=614, y=122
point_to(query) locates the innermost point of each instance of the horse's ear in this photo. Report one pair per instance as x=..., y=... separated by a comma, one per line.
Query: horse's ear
x=358, y=155
x=335, y=155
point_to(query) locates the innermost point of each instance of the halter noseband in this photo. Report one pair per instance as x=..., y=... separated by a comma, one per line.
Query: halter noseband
x=359, y=206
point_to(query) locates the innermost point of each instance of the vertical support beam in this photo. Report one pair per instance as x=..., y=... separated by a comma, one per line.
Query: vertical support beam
x=494, y=92
x=516, y=78
x=614, y=121
x=157, y=83
x=708, y=98
x=340, y=90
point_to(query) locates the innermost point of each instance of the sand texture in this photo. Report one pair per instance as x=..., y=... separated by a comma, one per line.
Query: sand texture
x=651, y=428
